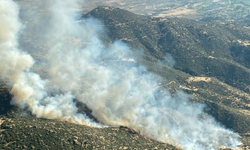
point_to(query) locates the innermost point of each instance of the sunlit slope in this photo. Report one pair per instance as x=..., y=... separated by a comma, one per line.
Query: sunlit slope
x=208, y=10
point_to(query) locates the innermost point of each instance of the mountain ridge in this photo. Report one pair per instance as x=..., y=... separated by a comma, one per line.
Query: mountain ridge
x=184, y=39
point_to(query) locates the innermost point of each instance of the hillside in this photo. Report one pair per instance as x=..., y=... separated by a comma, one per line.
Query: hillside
x=198, y=48
x=27, y=132
x=211, y=64
x=211, y=59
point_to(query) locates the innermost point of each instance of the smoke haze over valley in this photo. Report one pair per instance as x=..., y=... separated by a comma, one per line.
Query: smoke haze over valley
x=54, y=59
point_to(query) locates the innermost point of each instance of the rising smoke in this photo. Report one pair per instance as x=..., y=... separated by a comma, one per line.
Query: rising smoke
x=106, y=79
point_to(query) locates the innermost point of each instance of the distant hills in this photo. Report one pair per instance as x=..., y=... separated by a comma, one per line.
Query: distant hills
x=208, y=10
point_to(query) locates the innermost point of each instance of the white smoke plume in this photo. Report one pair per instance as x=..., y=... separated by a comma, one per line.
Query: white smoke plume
x=104, y=78
x=28, y=89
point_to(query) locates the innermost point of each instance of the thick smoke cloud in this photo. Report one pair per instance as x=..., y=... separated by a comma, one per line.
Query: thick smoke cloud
x=28, y=89
x=106, y=79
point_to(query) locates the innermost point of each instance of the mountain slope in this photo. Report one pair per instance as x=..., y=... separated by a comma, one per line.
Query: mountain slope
x=27, y=132
x=208, y=57
x=198, y=48
x=209, y=66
